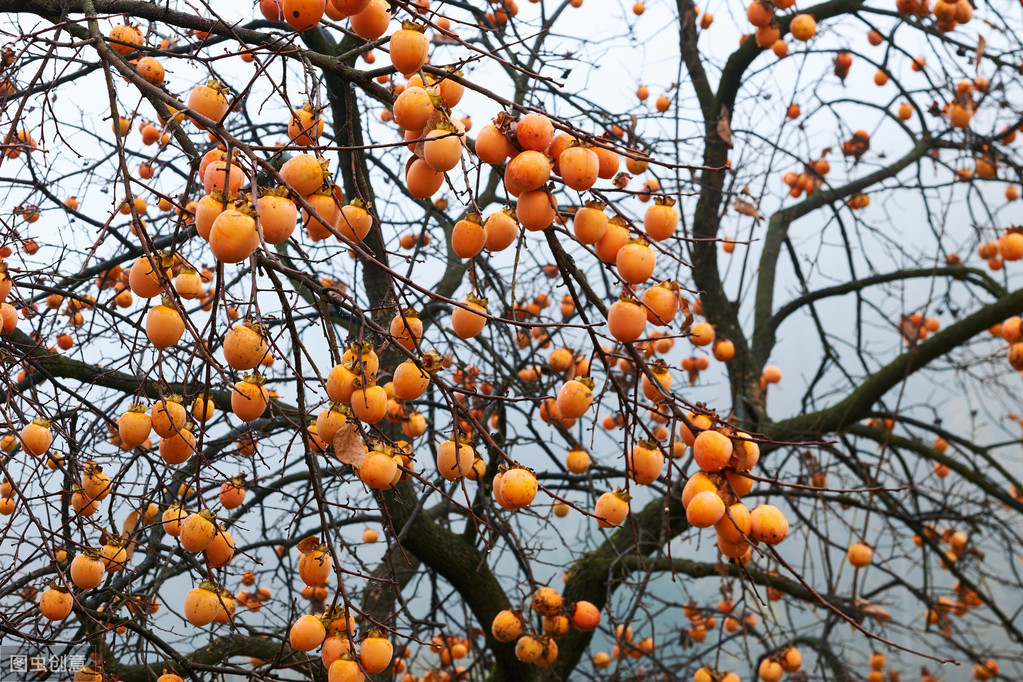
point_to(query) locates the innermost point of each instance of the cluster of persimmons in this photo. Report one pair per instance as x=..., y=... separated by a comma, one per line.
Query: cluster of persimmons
x=539, y=155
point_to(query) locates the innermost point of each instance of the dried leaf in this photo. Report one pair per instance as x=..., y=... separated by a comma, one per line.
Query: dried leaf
x=724, y=127
x=746, y=208
x=981, y=43
x=871, y=609
x=683, y=304
x=131, y=525
x=348, y=445
x=306, y=545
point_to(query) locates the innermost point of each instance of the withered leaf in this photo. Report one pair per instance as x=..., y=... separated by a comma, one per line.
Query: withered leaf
x=746, y=208
x=131, y=524
x=724, y=127
x=872, y=610
x=348, y=445
x=307, y=544
x=981, y=44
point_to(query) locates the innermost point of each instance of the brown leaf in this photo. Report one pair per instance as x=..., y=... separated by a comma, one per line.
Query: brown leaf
x=348, y=445
x=683, y=304
x=724, y=127
x=746, y=208
x=981, y=43
x=873, y=610
x=306, y=545
x=131, y=525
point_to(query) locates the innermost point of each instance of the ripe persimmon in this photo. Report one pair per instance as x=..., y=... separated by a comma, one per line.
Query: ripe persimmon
x=468, y=236
x=143, y=277
x=168, y=416
x=536, y=210
x=661, y=219
x=454, y=460
x=724, y=350
x=492, y=147
x=770, y=671
x=36, y=437
x=579, y=167
x=368, y=401
x=55, y=603
x=278, y=216
x=134, y=426
x=534, y=132
x=501, y=230
x=177, y=447
x=172, y=519
x=164, y=325
x=768, y=524
x=422, y=180
x=612, y=508
x=590, y=222
x=409, y=48
x=197, y=531
x=371, y=23
x=244, y=346
x=232, y=493
x=860, y=554
x=201, y=604
x=528, y=170
x=616, y=235
x=249, y=398
x=803, y=27
x=210, y=100
x=412, y=108
x=442, y=149
x=626, y=320
x=644, y=462
x=734, y=526
x=375, y=652
x=303, y=15
x=87, y=570
x=577, y=461
x=705, y=509
x=233, y=237
x=635, y=261
x=702, y=334
x=662, y=303
x=506, y=626
x=575, y=397
x=220, y=552
x=712, y=451
x=467, y=319
x=305, y=125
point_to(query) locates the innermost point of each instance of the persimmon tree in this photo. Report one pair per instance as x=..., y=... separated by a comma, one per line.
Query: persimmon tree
x=431, y=340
